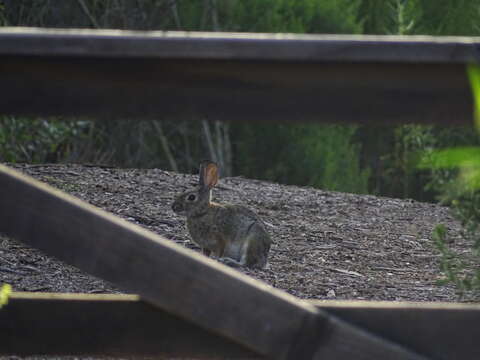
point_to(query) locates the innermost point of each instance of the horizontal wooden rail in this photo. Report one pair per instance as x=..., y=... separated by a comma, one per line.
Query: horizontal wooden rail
x=180, y=281
x=237, y=46
x=104, y=325
x=225, y=76
x=123, y=325
x=438, y=330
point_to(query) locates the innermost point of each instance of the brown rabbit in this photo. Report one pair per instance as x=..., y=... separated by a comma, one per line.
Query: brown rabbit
x=231, y=232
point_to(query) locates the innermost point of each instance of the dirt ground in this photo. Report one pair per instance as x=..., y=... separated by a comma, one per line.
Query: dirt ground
x=327, y=245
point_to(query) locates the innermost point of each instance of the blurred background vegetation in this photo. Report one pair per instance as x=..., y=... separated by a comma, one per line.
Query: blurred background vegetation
x=375, y=159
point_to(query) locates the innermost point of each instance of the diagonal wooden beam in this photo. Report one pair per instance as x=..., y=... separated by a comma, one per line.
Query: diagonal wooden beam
x=184, y=283
x=224, y=76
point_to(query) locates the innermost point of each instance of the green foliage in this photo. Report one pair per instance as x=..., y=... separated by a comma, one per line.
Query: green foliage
x=395, y=17
x=331, y=151
x=403, y=178
x=464, y=160
x=308, y=16
x=462, y=193
x=449, y=17
x=3, y=18
x=459, y=189
x=405, y=16
x=473, y=73
x=37, y=140
x=402, y=159
x=440, y=17
x=461, y=269
x=5, y=292
x=117, y=14
x=324, y=156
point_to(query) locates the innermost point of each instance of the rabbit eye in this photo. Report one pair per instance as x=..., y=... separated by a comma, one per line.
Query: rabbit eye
x=191, y=197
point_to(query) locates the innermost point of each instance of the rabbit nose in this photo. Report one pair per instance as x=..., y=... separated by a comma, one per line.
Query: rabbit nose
x=176, y=207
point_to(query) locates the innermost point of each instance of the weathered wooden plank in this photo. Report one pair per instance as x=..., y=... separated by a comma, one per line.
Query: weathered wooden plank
x=192, y=89
x=178, y=280
x=438, y=330
x=237, y=46
x=236, y=76
x=104, y=325
x=123, y=325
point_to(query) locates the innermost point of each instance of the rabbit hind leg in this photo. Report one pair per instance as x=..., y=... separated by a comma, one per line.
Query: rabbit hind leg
x=257, y=251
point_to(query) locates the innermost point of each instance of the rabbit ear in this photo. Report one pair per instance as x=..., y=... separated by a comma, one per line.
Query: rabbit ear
x=208, y=174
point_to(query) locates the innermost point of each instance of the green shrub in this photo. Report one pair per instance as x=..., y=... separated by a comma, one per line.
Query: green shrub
x=323, y=156
x=37, y=140
x=459, y=171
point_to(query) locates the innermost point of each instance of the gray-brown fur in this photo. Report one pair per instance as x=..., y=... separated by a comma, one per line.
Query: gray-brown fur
x=232, y=232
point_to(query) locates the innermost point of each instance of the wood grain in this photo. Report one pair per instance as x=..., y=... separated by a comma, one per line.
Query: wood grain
x=236, y=91
x=177, y=280
x=438, y=330
x=123, y=325
x=256, y=77
x=99, y=325
x=237, y=46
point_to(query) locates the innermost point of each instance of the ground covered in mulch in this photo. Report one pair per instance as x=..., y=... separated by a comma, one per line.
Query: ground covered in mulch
x=327, y=245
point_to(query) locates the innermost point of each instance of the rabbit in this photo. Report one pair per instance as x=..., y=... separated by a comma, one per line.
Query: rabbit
x=233, y=233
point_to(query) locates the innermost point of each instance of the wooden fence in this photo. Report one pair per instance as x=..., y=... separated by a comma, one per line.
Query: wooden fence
x=123, y=325
x=236, y=76
x=190, y=303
